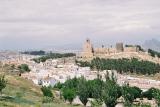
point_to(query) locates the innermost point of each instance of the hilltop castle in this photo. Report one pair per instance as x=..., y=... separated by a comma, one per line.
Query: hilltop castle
x=90, y=52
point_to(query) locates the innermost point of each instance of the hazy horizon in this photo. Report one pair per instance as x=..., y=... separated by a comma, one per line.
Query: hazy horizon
x=39, y=24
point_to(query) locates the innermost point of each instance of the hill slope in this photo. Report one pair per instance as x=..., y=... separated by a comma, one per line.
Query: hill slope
x=20, y=92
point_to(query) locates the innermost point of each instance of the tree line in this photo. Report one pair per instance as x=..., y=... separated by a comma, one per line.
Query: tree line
x=153, y=53
x=53, y=56
x=123, y=65
x=103, y=91
x=34, y=52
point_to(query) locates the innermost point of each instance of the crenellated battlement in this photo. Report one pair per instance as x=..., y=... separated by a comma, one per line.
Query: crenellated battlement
x=89, y=51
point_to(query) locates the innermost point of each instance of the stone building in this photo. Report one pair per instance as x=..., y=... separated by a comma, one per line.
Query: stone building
x=119, y=47
x=90, y=52
x=87, y=49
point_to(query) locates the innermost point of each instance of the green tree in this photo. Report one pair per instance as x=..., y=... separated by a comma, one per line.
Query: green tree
x=72, y=83
x=53, y=56
x=95, y=88
x=3, y=83
x=128, y=94
x=137, y=92
x=156, y=95
x=123, y=65
x=149, y=93
x=69, y=94
x=46, y=91
x=83, y=91
x=110, y=93
x=153, y=53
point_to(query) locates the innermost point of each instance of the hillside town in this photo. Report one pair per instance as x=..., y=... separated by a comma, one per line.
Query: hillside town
x=52, y=71
x=79, y=53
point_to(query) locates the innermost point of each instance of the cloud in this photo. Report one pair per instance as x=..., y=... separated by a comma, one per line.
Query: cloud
x=60, y=22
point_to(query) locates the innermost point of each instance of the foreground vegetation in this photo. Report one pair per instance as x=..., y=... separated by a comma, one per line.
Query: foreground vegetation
x=104, y=91
x=23, y=93
x=123, y=65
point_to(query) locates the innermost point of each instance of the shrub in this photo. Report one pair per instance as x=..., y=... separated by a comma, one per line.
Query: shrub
x=46, y=91
x=47, y=99
x=23, y=68
x=3, y=83
x=149, y=94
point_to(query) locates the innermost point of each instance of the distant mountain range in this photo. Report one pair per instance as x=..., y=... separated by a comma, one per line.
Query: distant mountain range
x=153, y=44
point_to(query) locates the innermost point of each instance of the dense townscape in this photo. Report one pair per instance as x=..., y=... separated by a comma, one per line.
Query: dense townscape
x=83, y=80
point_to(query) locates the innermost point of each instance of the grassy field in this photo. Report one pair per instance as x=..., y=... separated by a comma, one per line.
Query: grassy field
x=21, y=92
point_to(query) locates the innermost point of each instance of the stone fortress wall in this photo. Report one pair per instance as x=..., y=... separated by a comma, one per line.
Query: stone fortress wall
x=119, y=51
x=89, y=51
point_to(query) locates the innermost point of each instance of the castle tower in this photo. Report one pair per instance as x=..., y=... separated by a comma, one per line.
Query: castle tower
x=119, y=47
x=87, y=49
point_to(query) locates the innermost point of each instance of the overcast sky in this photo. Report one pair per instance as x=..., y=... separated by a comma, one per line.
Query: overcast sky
x=30, y=24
